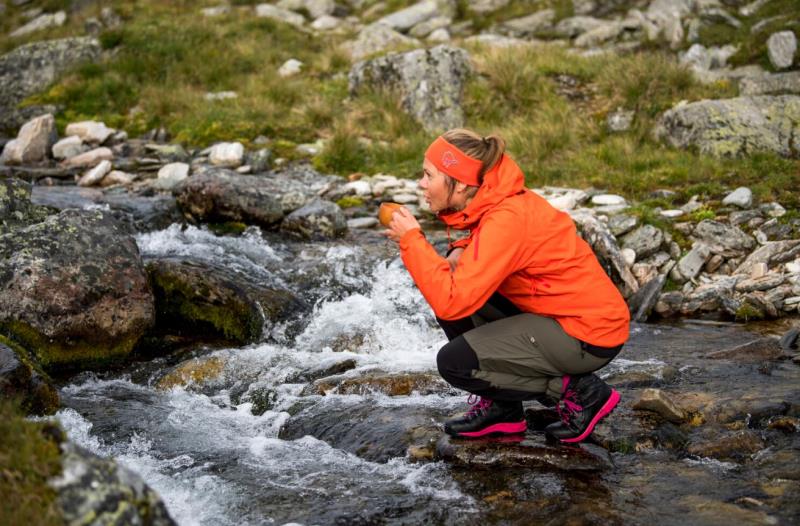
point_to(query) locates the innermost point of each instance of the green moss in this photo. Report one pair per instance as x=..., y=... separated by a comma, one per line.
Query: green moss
x=227, y=228
x=28, y=459
x=702, y=213
x=44, y=398
x=350, y=201
x=747, y=312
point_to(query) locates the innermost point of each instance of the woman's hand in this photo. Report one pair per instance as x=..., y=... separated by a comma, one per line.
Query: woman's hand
x=402, y=221
x=452, y=258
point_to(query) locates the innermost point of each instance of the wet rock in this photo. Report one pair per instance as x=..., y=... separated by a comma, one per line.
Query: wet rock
x=108, y=493
x=708, y=510
x=659, y=402
x=375, y=38
x=429, y=82
x=193, y=372
x=33, y=142
x=781, y=48
x=741, y=197
x=791, y=339
x=89, y=159
x=736, y=446
x=73, y=289
x=21, y=378
x=323, y=370
x=94, y=175
x=31, y=68
x=734, y=127
x=203, y=300
x=281, y=15
x=645, y=240
x=777, y=84
x=16, y=209
x=605, y=247
x=90, y=131
x=318, y=219
x=170, y=175
x=751, y=352
x=642, y=303
x=642, y=375
x=780, y=464
x=372, y=432
x=525, y=451
x=724, y=240
x=219, y=196
x=402, y=384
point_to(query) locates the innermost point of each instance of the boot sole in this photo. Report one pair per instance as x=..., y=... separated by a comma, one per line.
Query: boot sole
x=609, y=406
x=505, y=427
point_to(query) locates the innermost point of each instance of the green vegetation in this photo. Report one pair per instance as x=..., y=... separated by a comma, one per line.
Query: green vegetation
x=29, y=459
x=549, y=104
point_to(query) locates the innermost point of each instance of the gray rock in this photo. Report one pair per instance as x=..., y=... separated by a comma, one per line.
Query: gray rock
x=605, y=247
x=90, y=158
x=16, y=209
x=708, y=297
x=73, y=289
x=215, y=301
x=599, y=35
x=751, y=352
x=94, y=175
x=430, y=83
x=68, y=147
x=697, y=57
x=22, y=379
x=608, y=200
x=426, y=27
x=259, y=160
x=375, y=38
x=483, y=7
x=741, y=197
x=100, y=488
x=116, y=177
x=39, y=23
x=659, y=402
x=767, y=282
x=315, y=8
x=170, y=175
x=776, y=84
x=642, y=303
x=722, y=239
x=781, y=48
x=90, y=131
x=620, y=120
x=30, y=68
x=577, y=25
x=622, y=224
x=529, y=25
x=281, y=15
x=290, y=68
x=738, y=217
x=645, y=240
x=316, y=220
x=227, y=154
x=692, y=263
x=33, y=142
x=669, y=303
x=407, y=18
x=733, y=127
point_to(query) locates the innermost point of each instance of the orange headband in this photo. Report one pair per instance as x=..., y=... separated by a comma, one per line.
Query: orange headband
x=455, y=163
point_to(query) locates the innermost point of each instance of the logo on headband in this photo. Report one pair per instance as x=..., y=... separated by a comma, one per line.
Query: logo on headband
x=448, y=159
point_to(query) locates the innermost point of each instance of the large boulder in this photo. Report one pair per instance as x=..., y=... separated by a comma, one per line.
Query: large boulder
x=96, y=490
x=73, y=289
x=429, y=82
x=16, y=209
x=199, y=299
x=734, y=127
x=33, y=142
x=31, y=68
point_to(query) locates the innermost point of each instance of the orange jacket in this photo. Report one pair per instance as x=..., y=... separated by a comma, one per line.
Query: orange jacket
x=523, y=248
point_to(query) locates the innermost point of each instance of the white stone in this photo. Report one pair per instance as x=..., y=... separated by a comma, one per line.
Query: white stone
x=362, y=222
x=228, y=154
x=793, y=267
x=90, y=131
x=404, y=198
x=170, y=175
x=563, y=202
x=671, y=214
x=282, y=15
x=220, y=95
x=608, y=199
x=311, y=149
x=90, y=158
x=290, y=67
x=697, y=57
x=215, y=11
x=741, y=197
x=692, y=263
x=326, y=23
x=794, y=300
x=33, y=141
x=382, y=186
x=246, y=169
x=759, y=270
x=439, y=35
x=68, y=147
x=407, y=18
x=629, y=256
x=96, y=174
x=42, y=22
x=781, y=48
x=358, y=187
x=117, y=177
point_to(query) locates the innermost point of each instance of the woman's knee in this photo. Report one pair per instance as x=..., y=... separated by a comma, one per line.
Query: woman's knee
x=456, y=358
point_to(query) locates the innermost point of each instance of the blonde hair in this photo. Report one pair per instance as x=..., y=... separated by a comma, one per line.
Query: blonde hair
x=487, y=149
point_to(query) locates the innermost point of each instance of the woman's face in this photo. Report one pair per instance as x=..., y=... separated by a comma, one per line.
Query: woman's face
x=434, y=186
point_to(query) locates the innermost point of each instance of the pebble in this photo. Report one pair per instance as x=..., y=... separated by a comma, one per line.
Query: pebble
x=608, y=200
x=672, y=214
x=741, y=197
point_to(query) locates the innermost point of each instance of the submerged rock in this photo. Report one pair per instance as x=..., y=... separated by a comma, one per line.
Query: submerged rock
x=95, y=490
x=757, y=351
x=73, y=289
x=401, y=384
x=194, y=372
x=732, y=446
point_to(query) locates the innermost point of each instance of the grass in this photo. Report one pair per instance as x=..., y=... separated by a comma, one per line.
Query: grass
x=28, y=459
x=550, y=105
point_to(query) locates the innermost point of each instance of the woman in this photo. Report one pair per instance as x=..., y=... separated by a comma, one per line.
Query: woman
x=527, y=308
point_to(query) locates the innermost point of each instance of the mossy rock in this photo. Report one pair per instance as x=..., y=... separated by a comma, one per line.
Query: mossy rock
x=22, y=378
x=197, y=371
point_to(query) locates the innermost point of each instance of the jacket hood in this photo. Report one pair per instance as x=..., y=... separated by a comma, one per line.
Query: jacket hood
x=503, y=180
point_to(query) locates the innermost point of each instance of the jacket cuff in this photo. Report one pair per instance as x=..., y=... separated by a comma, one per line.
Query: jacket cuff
x=405, y=241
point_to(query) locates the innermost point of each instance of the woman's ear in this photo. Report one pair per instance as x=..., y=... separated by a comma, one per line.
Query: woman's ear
x=461, y=187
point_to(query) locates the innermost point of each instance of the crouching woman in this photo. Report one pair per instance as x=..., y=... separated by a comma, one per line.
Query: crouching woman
x=528, y=311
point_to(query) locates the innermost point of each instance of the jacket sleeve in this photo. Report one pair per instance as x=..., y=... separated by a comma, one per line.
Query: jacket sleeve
x=493, y=255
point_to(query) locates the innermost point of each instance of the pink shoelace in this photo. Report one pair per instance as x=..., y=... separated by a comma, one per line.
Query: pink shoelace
x=568, y=406
x=478, y=404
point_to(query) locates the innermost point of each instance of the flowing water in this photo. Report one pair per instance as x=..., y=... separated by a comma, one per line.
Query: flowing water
x=215, y=460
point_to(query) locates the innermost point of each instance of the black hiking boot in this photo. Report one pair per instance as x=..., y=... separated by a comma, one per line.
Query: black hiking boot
x=487, y=416
x=585, y=400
